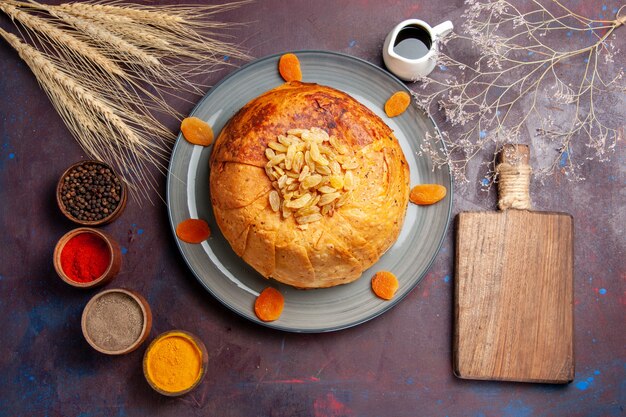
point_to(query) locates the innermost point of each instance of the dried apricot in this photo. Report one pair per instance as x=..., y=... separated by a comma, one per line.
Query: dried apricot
x=385, y=284
x=397, y=103
x=197, y=131
x=289, y=68
x=425, y=194
x=269, y=304
x=193, y=230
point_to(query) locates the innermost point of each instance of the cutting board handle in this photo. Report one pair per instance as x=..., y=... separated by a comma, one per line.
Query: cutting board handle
x=514, y=172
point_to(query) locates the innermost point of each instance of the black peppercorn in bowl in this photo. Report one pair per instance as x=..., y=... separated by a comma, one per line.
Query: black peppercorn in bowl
x=90, y=193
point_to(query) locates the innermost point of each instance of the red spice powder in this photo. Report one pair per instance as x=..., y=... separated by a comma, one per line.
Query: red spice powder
x=85, y=257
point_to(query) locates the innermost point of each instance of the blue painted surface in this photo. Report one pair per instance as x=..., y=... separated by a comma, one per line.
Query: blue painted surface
x=517, y=408
x=584, y=385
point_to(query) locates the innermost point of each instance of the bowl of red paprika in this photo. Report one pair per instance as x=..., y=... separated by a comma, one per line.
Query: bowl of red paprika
x=86, y=257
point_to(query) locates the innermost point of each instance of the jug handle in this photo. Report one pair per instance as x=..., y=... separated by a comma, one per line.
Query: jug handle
x=443, y=29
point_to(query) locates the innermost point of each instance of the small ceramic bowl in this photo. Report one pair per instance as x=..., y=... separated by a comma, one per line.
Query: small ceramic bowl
x=115, y=258
x=112, y=316
x=114, y=214
x=204, y=358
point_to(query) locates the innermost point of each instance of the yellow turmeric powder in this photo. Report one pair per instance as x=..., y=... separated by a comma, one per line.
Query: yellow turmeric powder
x=173, y=362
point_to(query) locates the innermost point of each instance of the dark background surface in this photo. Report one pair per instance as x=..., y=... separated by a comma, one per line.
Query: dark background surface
x=398, y=364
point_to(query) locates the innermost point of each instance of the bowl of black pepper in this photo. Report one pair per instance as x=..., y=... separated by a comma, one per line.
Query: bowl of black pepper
x=90, y=193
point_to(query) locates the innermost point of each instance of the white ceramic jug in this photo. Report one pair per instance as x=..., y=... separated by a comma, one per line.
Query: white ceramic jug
x=411, y=67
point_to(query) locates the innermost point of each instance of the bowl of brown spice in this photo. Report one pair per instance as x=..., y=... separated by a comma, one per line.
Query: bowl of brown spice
x=90, y=193
x=116, y=321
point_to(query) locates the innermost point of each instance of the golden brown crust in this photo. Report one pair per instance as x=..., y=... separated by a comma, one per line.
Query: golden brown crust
x=338, y=248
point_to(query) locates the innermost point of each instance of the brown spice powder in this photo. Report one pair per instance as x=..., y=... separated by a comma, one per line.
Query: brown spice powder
x=115, y=321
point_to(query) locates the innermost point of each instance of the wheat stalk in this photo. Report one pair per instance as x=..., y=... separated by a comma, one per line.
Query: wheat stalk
x=175, y=18
x=120, y=24
x=59, y=36
x=184, y=24
x=98, y=79
x=165, y=45
x=85, y=113
x=78, y=53
x=108, y=69
x=165, y=29
x=118, y=45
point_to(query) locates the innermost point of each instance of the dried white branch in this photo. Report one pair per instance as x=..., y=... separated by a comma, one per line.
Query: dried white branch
x=518, y=82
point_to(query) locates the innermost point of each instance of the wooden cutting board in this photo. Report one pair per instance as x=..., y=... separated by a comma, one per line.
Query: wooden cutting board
x=514, y=286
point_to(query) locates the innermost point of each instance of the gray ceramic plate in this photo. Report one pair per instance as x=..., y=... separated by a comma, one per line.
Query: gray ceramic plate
x=228, y=278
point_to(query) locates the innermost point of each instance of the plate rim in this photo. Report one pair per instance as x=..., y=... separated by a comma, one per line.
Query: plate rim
x=275, y=325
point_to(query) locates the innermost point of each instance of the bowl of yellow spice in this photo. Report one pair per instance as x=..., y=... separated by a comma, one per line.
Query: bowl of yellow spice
x=175, y=363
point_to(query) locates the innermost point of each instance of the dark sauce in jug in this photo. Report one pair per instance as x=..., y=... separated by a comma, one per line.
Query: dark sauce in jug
x=412, y=42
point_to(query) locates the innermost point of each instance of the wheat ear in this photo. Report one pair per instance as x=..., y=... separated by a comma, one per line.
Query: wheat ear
x=61, y=37
x=141, y=67
x=139, y=59
x=63, y=89
x=130, y=52
x=108, y=68
x=118, y=23
x=184, y=23
x=87, y=61
x=170, y=17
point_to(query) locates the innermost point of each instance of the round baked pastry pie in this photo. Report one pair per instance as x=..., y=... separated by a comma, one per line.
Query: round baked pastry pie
x=308, y=186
